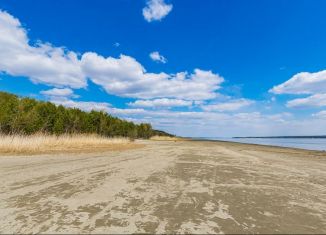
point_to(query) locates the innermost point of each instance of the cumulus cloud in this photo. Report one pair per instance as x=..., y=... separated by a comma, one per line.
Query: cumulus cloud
x=83, y=105
x=317, y=100
x=321, y=114
x=231, y=105
x=207, y=123
x=125, y=76
x=313, y=84
x=164, y=102
x=42, y=62
x=65, y=92
x=303, y=83
x=156, y=10
x=155, y=56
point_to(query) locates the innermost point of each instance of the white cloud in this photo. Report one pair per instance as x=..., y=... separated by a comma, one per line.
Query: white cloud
x=156, y=10
x=210, y=124
x=123, y=76
x=321, y=114
x=303, y=83
x=83, y=105
x=317, y=100
x=205, y=123
x=126, y=77
x=155, y=56
x=42, y=62
x=164, y=102
x=58, y=92
x=313, y=84
x=228, y=105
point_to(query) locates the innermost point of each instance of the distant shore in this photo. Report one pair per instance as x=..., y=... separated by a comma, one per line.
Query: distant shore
x=283, y=137
x=313, y=144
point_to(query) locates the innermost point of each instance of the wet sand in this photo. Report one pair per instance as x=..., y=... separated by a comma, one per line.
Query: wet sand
x=166, y=187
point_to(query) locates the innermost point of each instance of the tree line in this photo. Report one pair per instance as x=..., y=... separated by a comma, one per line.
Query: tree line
x=29, y=116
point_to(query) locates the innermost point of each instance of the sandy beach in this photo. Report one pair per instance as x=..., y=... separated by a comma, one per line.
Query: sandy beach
x=166, y=187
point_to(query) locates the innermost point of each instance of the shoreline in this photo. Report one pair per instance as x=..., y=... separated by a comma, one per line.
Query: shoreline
x=255, y=144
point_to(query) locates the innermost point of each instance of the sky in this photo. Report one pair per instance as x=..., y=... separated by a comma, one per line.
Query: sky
x=192, y=68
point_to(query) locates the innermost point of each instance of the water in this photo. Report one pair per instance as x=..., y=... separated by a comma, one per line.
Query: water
x=302, y=143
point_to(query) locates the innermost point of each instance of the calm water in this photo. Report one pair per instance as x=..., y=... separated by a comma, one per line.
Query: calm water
x=303, y=143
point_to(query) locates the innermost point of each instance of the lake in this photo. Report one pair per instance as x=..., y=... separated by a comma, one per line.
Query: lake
x=302, y=143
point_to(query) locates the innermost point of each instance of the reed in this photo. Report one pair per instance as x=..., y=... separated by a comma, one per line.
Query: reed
x=42, y=143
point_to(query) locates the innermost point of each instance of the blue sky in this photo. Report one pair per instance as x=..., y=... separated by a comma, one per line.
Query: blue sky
x=193, y=68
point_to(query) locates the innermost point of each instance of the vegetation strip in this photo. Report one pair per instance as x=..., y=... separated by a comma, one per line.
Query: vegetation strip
x=26, y=116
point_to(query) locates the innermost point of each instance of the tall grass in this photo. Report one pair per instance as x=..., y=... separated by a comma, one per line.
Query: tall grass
x=42, y=143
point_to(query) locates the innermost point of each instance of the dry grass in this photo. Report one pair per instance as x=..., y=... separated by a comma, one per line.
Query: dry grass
x=40, y=143
x=166, y=138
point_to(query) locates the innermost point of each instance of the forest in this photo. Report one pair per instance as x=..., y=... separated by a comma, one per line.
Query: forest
x=26, y=116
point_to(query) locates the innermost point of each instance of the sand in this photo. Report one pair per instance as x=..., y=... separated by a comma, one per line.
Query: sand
x=166, y=187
